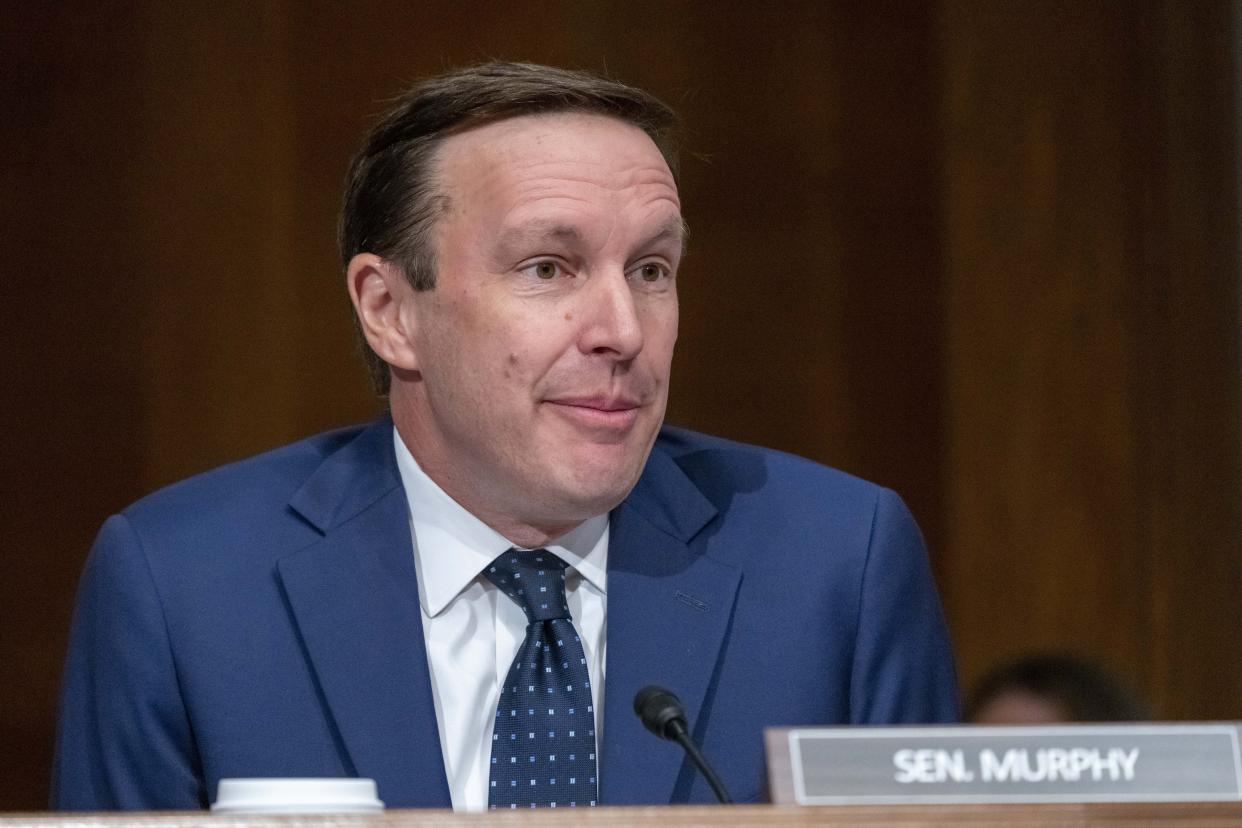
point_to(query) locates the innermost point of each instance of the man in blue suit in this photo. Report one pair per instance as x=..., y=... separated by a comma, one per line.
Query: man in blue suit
x=511, y=236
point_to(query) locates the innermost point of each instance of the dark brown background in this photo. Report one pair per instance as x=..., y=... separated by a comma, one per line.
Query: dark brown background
x=985, y=253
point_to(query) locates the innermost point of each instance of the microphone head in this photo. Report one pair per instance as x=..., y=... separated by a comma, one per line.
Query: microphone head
x=660, y=711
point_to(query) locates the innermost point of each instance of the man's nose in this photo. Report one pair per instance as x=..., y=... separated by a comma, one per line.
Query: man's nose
x=612, y=325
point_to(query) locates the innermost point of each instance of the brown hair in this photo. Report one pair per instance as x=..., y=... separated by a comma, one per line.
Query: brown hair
x=391, y=194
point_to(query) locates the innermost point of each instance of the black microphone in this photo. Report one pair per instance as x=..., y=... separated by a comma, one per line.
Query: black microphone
x=662, y=714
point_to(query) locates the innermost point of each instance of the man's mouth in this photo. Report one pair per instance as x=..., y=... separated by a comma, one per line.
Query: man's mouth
x=614, y=413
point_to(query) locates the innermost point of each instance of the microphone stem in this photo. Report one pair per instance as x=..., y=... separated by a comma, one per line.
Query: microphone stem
x=683, y=739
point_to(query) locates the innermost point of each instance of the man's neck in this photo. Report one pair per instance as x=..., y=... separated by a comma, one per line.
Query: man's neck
x=523, y=534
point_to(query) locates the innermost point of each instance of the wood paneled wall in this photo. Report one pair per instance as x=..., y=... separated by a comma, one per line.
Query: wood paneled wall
x=1091, y=472
x=984, y=253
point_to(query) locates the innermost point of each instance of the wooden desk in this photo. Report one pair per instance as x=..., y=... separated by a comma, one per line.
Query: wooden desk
x=1198, y=814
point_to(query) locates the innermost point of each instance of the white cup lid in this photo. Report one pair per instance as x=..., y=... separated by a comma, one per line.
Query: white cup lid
x=296, y=795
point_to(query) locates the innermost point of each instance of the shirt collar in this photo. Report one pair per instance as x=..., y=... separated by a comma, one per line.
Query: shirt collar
x=585, y=549
x=452, y=546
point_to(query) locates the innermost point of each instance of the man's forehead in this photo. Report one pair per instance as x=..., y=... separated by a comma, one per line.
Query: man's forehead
x=570, y=137
x=552, y=177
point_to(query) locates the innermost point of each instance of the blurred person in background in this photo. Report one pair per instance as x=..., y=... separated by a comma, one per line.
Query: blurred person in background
x=1052, y=688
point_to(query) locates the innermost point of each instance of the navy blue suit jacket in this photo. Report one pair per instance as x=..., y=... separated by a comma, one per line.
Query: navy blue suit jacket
x=263, y=620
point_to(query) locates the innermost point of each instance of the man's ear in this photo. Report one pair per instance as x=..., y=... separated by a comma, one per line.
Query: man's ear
x=380, y=293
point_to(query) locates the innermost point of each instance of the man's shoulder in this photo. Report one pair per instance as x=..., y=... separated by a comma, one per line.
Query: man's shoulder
x=257, y=488
x=711, y=461
x=752, y=486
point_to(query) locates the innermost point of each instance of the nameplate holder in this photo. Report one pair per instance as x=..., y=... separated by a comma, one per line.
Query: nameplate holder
x=999, y=764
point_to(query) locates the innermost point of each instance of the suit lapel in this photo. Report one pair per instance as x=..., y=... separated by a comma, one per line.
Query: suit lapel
x=354, y=596
x=668, y=612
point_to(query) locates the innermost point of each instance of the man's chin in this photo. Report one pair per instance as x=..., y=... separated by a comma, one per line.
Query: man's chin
x=588, y=491
x=586, y=479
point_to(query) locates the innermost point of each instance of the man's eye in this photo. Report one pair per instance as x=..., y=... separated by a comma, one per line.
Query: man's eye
x=651, y=272
x=543, y=270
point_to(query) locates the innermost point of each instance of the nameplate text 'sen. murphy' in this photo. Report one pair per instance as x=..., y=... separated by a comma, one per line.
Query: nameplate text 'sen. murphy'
x=984, y=764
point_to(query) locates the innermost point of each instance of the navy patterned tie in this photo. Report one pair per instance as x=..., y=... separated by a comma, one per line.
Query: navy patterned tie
x=543, y=747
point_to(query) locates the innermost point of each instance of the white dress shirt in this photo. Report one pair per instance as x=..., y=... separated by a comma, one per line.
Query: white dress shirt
x=472, y=631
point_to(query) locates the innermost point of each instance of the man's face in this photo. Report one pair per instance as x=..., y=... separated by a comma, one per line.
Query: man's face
x=543, y=353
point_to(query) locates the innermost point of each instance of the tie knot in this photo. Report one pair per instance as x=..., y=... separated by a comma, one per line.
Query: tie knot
x=534, y=579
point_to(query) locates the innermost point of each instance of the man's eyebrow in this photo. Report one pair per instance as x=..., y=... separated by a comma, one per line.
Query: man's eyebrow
x=675, y=229
x=540, y=231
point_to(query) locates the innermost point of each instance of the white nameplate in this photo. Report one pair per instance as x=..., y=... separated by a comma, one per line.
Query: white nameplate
x=961, y=764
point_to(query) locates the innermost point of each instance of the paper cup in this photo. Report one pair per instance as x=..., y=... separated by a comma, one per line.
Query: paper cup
x=296, y=796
